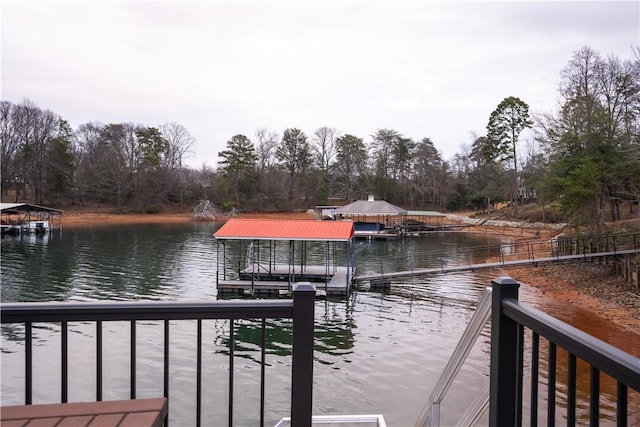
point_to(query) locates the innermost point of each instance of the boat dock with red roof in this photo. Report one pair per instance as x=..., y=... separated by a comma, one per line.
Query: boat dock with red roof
x=280, y=253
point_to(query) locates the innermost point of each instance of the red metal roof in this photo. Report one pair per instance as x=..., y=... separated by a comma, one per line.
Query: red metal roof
x=268, y=229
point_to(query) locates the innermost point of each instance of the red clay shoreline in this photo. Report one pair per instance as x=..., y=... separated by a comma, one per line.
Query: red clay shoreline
x=71, y=218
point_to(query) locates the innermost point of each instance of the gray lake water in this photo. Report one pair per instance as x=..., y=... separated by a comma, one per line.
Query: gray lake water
x=376, y=352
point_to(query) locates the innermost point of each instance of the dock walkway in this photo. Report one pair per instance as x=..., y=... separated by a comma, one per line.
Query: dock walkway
x=380, y=278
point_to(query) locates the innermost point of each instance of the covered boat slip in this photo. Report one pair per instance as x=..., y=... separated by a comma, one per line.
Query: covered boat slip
x=373, y=219
x=271, y=256
x=26, y=218
x=419, y=221
x=377, y=219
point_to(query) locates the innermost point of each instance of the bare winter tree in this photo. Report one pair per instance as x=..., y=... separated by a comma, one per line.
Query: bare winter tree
x=324, y=146
x=267, y=195
x=34, y=128
x=10, y=145
x=179, y=144
x=266, y=148
x=86, y=145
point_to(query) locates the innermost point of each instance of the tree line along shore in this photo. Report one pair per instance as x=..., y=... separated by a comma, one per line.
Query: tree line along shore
x=579, y=163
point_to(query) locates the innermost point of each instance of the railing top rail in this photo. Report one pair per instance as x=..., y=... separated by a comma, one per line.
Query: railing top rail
x=143, y=310
x=599, y=354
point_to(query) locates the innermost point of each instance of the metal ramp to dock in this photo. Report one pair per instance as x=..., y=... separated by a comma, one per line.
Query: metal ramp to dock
x=381, y=277
x=512, y=254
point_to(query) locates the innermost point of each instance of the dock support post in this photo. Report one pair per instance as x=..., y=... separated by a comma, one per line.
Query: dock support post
x=302, y=364
x=504, y=381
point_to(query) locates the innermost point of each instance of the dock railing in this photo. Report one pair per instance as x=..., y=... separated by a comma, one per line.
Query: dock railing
x=300, y=309
x=558, y=249
x=503, y=396
x=509, y=320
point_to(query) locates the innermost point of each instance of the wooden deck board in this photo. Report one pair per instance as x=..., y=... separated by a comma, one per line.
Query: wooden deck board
x=76, y=421
x=142, y=413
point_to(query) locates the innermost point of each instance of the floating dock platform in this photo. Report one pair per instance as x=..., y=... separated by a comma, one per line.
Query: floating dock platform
x=282, y=278
x=332, y=284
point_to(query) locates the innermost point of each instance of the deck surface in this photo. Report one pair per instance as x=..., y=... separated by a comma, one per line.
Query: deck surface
x=113, y=413
x=280, y=269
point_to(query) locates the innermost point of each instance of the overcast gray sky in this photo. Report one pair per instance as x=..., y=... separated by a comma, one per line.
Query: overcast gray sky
x=424, y=68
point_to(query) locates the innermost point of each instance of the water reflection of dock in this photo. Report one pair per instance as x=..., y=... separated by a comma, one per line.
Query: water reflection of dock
x=332, y=335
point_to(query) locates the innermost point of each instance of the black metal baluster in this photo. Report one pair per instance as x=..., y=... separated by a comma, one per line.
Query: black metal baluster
x=166, y=365
x=99, y=360
x=132, y=368
x=504, y=357
x=302, y=355
x=64, y=371
x=594, y=401
x=28, y=363
x=551, y=388
x=621, y=408
x=520, y=372
x=231, y=349
x=199, y=375
x=535, y=361
x=263, y=363
x=571, y=391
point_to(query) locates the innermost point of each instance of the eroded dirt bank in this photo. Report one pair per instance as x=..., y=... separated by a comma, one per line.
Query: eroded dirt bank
x=595, y=288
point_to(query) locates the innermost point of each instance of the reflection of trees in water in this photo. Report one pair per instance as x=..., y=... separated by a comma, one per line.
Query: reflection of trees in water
x=248, y=338
x=41, y=334
x=33, y=271
x=334, y=328
x=12, y=332
x=101, y=262
x=333, y=334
